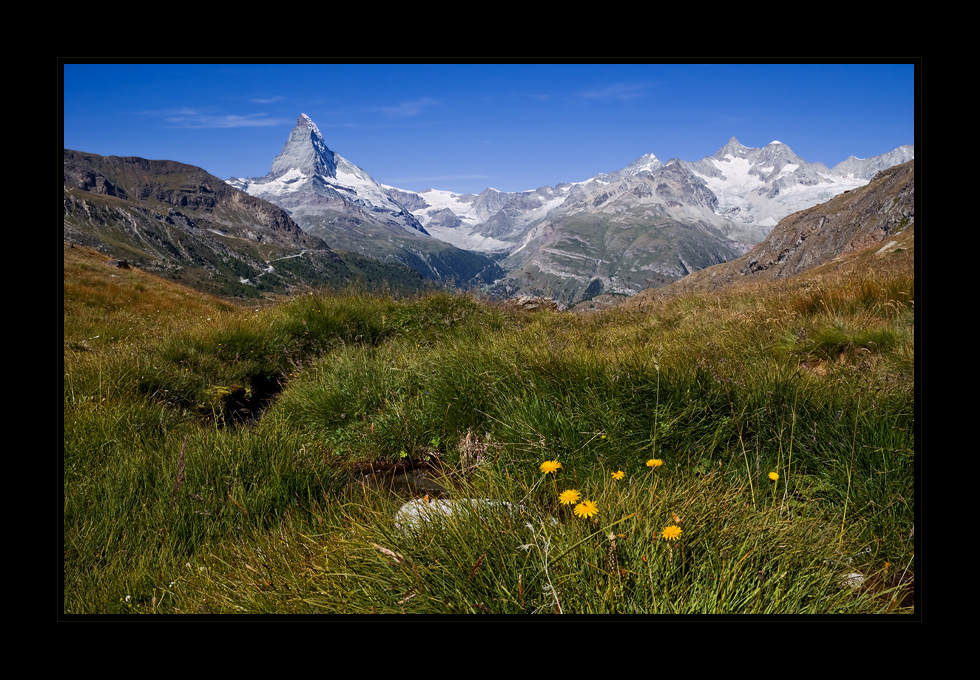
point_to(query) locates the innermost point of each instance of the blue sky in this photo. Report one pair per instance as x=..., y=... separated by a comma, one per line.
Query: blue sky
x=465, y=127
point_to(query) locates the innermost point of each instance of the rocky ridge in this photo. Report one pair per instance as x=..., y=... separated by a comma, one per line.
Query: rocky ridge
x=879, y=216
x=178, y=221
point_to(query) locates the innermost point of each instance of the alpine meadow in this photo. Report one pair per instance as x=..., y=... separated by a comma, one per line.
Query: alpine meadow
x=744, y=449
x=679, y=388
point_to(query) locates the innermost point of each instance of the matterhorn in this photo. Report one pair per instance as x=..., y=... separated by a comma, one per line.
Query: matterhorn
x=332, y=198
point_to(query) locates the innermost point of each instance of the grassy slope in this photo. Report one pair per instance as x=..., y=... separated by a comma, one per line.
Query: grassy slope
x=170, y=507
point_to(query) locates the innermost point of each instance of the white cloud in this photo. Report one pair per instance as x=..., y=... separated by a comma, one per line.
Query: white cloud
x=197, y=118
x=620, y=91
x=408, y=108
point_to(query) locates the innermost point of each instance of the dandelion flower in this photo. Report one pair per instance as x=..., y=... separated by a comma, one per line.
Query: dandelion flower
x=569, y=497
x=619, y=474
x=586, y=509
x=672, y=533
x=654, y=463
x=550, y=466
x=773, y=476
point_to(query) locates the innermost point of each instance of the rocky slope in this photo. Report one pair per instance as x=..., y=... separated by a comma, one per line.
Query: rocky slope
x=878, y=218
x=178, y=221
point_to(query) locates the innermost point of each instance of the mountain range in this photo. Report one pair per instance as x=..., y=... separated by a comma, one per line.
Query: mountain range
x=646, y=225
x=643, y=226
x=316, y=218
x=863, y=227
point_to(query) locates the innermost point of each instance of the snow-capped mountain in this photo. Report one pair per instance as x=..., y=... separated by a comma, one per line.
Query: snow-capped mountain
x=306, y=167
x=759, y=187
x=647, y=224
x=754, y=188
x=665, y=219
x=332, y=198
x=880, y=214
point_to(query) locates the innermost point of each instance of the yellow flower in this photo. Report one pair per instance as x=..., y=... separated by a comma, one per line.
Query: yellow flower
x=586, y=509
x=773, y=476
x=672, y=533
x=654, y=463
x=569, y=497
x=550, y=466
x=619, y=474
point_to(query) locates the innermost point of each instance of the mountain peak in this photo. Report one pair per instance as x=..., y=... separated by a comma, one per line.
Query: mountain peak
x=305, y=151
x=776, y=153
x=733, y=149
x=646, y=163
x=305, y=121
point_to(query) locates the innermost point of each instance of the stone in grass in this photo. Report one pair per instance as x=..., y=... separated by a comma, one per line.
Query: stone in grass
x=423, y=512
x=852, y=580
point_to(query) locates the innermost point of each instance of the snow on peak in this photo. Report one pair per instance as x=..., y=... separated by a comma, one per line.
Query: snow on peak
x=306, y=121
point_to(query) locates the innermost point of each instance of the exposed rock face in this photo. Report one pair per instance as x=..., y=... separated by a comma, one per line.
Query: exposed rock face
x=178, y=191
x=410, y=200
x=848, y=223
x=530, y=302
x=878, y=213
x=305, y=150
x=677, y=186
x=310, y=180
x=178, y=221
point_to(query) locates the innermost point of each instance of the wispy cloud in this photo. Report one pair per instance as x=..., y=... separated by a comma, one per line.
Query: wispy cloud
x=617, y=91
x=408, y=108
x=267, y=100
x=197, y=118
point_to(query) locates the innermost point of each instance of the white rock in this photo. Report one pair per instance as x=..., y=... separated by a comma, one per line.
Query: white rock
x=420, y=512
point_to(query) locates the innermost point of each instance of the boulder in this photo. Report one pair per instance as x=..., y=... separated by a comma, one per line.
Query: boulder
x=424, y=512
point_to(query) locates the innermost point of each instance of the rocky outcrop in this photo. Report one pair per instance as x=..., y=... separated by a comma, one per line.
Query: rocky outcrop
x=178, y=221
x=850, y=222
x=881, y=213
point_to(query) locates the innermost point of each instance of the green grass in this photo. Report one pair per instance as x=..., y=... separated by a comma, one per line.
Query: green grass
x=214, y=456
